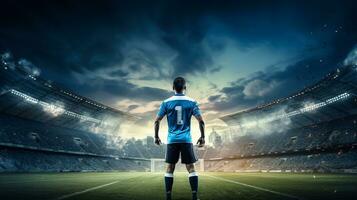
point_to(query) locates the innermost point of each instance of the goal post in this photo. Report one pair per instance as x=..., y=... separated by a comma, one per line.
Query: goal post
x=159, y=165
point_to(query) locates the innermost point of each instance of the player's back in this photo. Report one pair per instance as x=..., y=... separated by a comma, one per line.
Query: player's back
x=179, y=110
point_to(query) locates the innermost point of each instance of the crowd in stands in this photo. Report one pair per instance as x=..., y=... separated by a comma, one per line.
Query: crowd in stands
x=22, y=160
x=27, y=145
x=142, y=148
x=324, y=162
x=320, y=136
x=32, y=146
x=18, y=131
x=325, y=146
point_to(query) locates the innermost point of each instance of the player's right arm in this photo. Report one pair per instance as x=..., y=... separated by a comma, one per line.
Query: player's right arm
x=160, y=115
x=157, y=127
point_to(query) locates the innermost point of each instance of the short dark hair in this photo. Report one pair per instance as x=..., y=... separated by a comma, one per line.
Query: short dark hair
x=179, y=84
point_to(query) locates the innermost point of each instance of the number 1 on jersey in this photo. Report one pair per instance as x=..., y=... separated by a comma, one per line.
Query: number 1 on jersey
x=179, y=115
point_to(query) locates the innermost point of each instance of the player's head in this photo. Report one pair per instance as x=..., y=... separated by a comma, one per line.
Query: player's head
x=179, y=84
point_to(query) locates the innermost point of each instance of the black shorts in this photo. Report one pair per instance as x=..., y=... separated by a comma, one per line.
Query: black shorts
x=187, y=153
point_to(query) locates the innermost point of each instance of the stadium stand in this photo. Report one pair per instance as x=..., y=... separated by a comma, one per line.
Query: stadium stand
x=317, y=131
x=44, y=127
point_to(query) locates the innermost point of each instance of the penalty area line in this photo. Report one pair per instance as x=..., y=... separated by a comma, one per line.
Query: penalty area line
x=255, y=187
x=85, y=191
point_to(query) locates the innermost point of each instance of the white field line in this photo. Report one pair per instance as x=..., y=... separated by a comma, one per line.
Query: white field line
x=85, y=191
x=256, y=187
x=32, y=181
x=40, y=180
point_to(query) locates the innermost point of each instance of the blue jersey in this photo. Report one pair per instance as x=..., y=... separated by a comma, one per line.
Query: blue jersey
x=179, y=110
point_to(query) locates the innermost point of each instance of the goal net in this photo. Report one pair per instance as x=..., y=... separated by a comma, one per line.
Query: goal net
x=159, y=165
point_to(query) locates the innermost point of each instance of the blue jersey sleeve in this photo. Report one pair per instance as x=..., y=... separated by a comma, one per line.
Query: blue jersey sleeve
x=162, y=110
x=196, y=110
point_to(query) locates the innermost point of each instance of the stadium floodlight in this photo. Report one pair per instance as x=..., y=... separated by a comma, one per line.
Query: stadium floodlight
x=305, y=109
x=53, y=108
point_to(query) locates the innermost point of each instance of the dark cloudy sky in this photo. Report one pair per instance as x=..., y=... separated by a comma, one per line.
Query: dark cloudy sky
x=235, y=54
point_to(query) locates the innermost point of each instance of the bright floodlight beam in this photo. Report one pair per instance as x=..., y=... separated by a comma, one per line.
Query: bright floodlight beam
x=297, y=112
x=52, y=108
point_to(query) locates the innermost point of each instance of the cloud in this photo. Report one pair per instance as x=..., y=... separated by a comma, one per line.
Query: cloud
x=258, y=88
x=138, y=107
x=192, y=56
x=214, y=97
x=108, y=35
x=116, y=51
x=216, y=69
x=29, y=67
x=132, y=107
x=351, y=58
x=110, y=91
x=264, y=86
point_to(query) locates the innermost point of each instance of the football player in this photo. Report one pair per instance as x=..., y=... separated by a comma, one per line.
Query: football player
x=179, y=109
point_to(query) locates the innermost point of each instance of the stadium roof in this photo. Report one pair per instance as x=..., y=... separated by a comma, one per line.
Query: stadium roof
x=332, y=97
x=26, y=95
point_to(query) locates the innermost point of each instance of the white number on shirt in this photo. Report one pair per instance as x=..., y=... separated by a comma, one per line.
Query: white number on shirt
x=179, y=115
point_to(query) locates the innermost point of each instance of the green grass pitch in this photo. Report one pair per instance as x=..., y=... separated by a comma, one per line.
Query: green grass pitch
x=140, y=185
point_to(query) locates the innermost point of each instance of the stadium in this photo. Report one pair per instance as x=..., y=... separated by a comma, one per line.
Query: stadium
x=312, y=130
x=178, y=100
x=62, y=145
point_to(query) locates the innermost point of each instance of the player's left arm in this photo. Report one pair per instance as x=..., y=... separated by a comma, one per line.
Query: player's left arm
x=201, y=140
x=198, y=116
